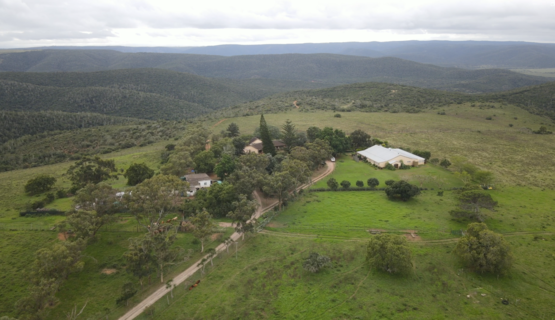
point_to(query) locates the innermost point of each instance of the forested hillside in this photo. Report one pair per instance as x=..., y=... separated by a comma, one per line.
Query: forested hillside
x=54, y=147
x=376, y=97
x=324, y=68
x=17, y=124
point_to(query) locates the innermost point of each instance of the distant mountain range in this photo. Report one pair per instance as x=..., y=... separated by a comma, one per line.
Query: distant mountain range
x=319, y=70
x=462, y=54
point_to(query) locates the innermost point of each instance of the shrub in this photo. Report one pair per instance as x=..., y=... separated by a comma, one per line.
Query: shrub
x=445, y=163
x=61, y=193
x=460, y=215
x=372, y=182
x=39, y=184
x=389, y=166
x=137, y=173
x=402, y=190
x=337, y=115
x=390, y=253
x=389, y=182
x=345, y=184
x=360, y=184
x=489, y=118
x=332, y=184
x=316, y=262
x=510, y=125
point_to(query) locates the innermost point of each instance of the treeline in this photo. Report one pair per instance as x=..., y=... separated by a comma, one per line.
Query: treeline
x=326, y=68
x=17, y=124
x=54, y=146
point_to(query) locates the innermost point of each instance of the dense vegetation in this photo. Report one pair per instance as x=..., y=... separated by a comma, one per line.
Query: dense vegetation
x=325, y=68
x=17, y=124
x=58, y=146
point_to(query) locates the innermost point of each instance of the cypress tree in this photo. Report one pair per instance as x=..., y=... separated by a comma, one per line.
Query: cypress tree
x=267, y=144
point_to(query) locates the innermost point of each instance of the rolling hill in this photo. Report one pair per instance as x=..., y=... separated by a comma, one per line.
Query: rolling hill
x=326, y=69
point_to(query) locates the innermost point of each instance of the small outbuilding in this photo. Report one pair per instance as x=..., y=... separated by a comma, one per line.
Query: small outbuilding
x=381, y=156
x=255, y=146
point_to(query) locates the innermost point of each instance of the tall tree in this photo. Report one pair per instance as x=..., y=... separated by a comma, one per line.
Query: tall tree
x=267, y=143
x=139, y=257
x=204, y=226
x=473, y=200
x=137, y=173
x=279, y=184
x=97, y=205
x=225, y=167
x=360, y=139
x=313, y=133
x=178, y=163
x=242, y=214
x=162, y=251
x=401, y=190
x=232, y=130
x=297, y=169
x=39, y=184
x=484, y=250
x=150, y=200
x=288, y=135
x=205, y=161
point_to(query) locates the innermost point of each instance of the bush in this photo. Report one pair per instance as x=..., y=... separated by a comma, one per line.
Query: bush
x=332, y=184
x=39, y=184
x=316, y=262
x=389, y=182
x=337, y=115
x=510, y=125
x=372, y=182
x=360, y=184
x=137, y=173
x=483, y=250
x=389, y=166
x=489, y=118
x=60, y=194
x=445, y=163
x=345, y=184
x=402, y=190
x=460, y=215
x=390, y=253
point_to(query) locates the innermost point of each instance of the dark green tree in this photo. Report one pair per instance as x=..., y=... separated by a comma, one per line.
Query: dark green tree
x=205, y=161
x=39, y=184
x=267, y=143
x=445, y=163
x=225, y=167
x=313, y=133
x=242, y=215
x=473, y=200
x=137, y=173
x=402, y=190
x=345, y=184
x=360, y=183
x=239, y=145
x=337, y=139
x=232, y=130
x=288, y=135
x=333, y=184
x=390, y=253
x=389, y=182
x=128, y=290
x=424, y=154
x=372, y=182
x=360, y=139
x=483, y=250
x=90, y=170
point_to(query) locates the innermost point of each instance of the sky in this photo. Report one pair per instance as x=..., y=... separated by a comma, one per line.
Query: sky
x=32, y=23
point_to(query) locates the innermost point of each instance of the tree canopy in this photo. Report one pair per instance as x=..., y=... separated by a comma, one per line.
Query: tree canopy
x=267, y=143
x=390, y=253
x=401, y=190
x=137, y=173
x=39, y=184
x=90, y=170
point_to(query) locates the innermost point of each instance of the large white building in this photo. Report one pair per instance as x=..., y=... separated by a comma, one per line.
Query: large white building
x=381, y=156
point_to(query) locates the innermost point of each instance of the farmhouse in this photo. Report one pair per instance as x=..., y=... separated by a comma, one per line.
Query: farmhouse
x=255, y=146
x=197, y=181
x=381, y=156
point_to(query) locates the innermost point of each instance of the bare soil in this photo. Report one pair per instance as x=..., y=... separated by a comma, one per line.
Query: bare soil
x=412, y=235
x=108, y=271
x=216, y=236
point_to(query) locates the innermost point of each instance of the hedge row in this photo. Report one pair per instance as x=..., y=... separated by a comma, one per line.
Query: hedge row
x=370, y=189
x=41, y=213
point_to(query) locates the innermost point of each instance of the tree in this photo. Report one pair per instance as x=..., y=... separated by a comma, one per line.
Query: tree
x=178, y=163
x=402, y=190
x=360, y=183
x=150, y=200
x=225, y=167
x=162, y=252
x=297, y=169
x=59, y=261
x=484, y=250
x=332, y=184
x=90, y=170
x=337, y=139
x=390, y=253
x=389, y=182
x=41, y=295
x=232, y=130
x=345, y=184
x=317, y=152
x=313, y=133
x=203, y=224
x=542, y=130
x=137, y=173
x=279, y=184
x=218, y=199
x=424, y=154
x=360, y=139
x=139, y=258
x=463, y=176
x=267, y=143
x=239, y=146
x=373, y=182
x=484, y=178
x=39, y=184
x=473, y=200
x=97, y=205
x=205, y=161
x=242, y=215
x=468, y=215
x=128, y=290
x=445, y=163
x=288, y=135
x=316, y=262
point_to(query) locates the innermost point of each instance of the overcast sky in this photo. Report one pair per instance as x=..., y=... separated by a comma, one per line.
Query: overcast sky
x=29, y=23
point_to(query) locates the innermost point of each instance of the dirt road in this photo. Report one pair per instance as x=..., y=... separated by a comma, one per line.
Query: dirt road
x=179, y=279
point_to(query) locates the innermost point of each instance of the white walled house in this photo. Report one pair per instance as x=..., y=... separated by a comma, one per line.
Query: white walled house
x=381, y=156
x=197, y=181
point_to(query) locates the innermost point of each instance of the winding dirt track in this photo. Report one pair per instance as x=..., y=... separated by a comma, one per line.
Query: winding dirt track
x=179, y=279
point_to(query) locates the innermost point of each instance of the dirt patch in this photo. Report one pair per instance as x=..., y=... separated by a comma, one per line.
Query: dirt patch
x=226, y=224
x=123, y=221
x=62, y=236
x=109, y=271
x=295, y=104
x=217, y=123
x=412, y=235
x=376, y=231
x=216, y=236
x=274, y=225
